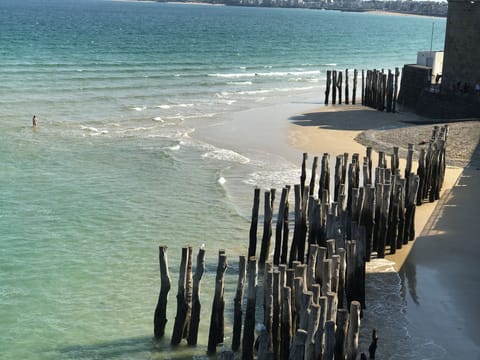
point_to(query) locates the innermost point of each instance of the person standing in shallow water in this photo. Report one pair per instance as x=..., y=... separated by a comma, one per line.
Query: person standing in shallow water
x=34, y=121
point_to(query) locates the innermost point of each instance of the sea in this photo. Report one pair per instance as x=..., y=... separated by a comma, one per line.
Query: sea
x=114, y=168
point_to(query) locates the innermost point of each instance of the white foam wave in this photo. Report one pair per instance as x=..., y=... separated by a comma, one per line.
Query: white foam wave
x=170, y=106
x=158, y=118
x=254, y=92
x=273, y=179
x=139, y=108
x=94, y=131
x=226, y=155
x=239, y=83
x=174, y=147
x=295, y=88
x=270, y=74
x=331, y=64
x=221, y=180
x=228, y=102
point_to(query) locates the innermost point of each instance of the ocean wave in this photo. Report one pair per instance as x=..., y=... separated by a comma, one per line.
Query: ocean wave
x=226, y=155
x=266, y=74
x=94, y=131
x=221, y=180
x=158, y=118
x=171, y=106
x=139, y=108
x=331, y=64
x=173, y=147
x=239, y=83
x=273, y=179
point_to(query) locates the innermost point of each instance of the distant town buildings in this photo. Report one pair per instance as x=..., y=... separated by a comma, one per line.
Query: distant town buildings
x=430, y=8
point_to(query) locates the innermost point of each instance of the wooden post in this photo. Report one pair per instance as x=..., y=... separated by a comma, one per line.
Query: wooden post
x=182, y=304
x=395, y=90
x=354, y=94
x=297, y=350
x=353, y=331
x=339, y=85
x=196, y=306
x=334, y=87
x=252, y=246
x=363, y=87
x=286, y=230
x=326, y=276
x=276, y=318
x=268, y=301
x=312, y=265
x=264, y=352
x=238, y=302
x=346, y=88
x=341, y=333
x=329, y=340
x=267, y=226
x=249, y=327
x=328, y=85
x=313, y=319
x=341, y=278
x=313, y=176
x=279, y=227
x=320, y=335
x=286, y=324
x=160, y=318
x=351, y=266
x=216, y=332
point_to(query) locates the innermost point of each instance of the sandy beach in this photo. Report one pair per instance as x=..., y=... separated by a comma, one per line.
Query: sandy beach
x=437, y=272
x=438, y=269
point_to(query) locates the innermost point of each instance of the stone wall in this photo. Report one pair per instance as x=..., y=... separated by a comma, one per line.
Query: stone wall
x=461, y=64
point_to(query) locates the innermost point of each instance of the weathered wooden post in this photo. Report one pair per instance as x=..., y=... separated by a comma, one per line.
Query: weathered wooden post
x=249, y=327
x=279, y=226
x=334, y=87
x=339, y=85
x=286, y=324
x=297, y=350
x=313, y=320
x=267, y=226
x=341, y=333
x=329, y=340
x=328, y=85
x=286, y=230
x=353, y=331
x=216, y=332
x=363, y=87
x=354, y=93
x=238, y=304
x=252, y=246
x=395, y=90
x=183, y=307
x=346, y=88
x=196, y=306
x=160, y=318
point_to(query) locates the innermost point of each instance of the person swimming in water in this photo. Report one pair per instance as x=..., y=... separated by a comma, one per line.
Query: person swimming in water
x=34, y=121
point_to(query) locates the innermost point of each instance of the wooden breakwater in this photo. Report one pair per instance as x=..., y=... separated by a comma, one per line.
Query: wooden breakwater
x=379, y=88
x=306, y=285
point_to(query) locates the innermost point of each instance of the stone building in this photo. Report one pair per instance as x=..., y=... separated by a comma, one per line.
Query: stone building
x=461, y=64
x=458, y=95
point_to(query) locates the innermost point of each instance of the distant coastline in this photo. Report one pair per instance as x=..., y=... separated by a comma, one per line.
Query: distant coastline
x=420, y=8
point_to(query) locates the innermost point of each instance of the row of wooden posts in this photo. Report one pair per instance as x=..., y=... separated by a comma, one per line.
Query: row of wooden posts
x=378, y=89
x=312, y=289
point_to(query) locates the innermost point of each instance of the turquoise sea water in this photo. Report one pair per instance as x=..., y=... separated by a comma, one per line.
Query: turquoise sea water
x=114, y=169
